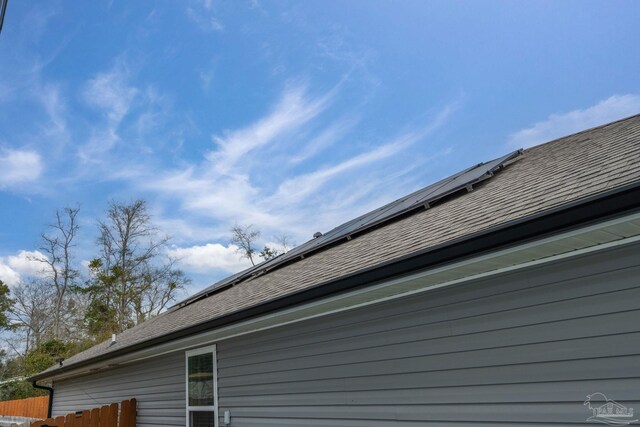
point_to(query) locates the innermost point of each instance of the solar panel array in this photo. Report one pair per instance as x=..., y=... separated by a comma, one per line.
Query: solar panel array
x=420, y=199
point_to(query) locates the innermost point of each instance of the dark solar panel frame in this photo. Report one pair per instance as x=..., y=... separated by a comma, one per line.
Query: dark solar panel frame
x=422, y=198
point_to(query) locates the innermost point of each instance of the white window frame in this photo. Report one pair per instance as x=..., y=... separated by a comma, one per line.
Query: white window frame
x=202, y=350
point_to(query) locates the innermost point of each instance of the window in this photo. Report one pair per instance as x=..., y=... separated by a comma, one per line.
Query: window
x=202, y=387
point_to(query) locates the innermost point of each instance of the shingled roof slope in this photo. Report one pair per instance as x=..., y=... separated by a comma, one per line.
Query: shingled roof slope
x=543, y=177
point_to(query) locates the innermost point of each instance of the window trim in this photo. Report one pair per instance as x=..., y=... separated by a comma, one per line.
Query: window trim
x=210, y=349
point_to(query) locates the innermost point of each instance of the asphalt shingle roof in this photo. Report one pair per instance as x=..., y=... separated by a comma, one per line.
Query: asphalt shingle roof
x=543, y=177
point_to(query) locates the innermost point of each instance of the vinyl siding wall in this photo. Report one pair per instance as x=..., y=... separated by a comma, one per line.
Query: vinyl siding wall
x=520, y=349
x=158, y=384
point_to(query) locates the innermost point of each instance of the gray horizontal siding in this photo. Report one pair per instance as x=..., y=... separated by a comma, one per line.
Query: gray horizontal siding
x=525, y=348
x=520, y=349
x=157, y=384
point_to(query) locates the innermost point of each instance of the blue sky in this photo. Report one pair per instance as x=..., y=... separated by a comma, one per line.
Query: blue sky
x=291, y=116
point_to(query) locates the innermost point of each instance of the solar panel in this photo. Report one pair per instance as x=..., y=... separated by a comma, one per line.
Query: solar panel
x=420, y=199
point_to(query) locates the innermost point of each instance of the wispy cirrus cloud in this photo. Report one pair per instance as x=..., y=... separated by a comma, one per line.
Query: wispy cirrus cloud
x=277, y=196
x=19, y=167
x=203, y=14
x=51, y=99
x=296, y=169
x=224, y=184
x=111, y=94
x=308, y=161
x=325, y=139
x=127, y=110
x=292, y=111
x=297, y=188
x=561, y=124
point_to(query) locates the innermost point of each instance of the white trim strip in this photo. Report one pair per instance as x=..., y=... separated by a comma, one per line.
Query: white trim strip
x=210, y=349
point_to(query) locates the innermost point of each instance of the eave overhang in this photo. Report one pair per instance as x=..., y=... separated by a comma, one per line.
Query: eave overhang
x=593, y=223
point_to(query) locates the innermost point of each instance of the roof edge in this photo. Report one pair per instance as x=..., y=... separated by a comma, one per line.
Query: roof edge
x=591, y=129
x=596, y=208
x=295, y=254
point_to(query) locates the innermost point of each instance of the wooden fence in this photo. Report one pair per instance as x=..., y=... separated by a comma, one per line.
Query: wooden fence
x=33, y=407
x=107, y=416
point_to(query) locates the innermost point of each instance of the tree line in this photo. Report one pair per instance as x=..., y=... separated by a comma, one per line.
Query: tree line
x=68, y=307
x=65, y=308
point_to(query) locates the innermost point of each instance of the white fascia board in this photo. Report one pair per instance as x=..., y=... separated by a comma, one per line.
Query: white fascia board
x=598, y=237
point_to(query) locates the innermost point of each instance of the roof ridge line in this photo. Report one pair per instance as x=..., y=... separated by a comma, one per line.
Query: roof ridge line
x=591, y=129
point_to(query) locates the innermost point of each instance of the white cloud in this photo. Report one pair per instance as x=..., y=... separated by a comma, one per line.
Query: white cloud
x=245, y=182
x=183, y=230
x=134, y=125
x=19, y=167
x=206, y=77
x=202, y=13
x=229, y=198
x=298, y=187
x=8, y=275
x=111, y=93
x=209, y=258
x=301, y=186
x=561, y=124
x=25, y=262
x=51, y=99
x=324, y=140
x=13, y=268
x=293, y=110
x=223, y=186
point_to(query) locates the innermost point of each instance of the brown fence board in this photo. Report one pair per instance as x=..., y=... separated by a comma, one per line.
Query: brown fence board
x=95, y=418
x=33, y=407
x=124, y=414
x=128, y=413
x=114, y=415
x=86, y=419
x=104, y=415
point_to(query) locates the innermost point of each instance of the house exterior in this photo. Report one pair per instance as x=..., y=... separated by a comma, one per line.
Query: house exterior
x=504, y=294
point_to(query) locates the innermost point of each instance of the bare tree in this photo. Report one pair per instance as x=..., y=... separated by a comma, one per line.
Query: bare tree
x=159, y=285
x=285, y=242
x=30, y=313
x=57, y=247
x=130, y=281
x=282, y=246
x=126, y=228
x=244, y=237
